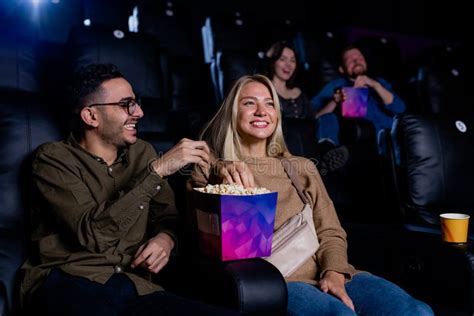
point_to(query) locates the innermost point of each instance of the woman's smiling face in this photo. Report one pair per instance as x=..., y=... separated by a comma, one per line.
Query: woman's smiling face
x=256, y=115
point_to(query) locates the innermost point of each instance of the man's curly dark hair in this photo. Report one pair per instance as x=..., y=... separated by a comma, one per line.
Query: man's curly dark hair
x=87, y=81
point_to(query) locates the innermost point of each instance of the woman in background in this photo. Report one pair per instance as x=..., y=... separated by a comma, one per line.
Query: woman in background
x=282, y=64
x=281, y=69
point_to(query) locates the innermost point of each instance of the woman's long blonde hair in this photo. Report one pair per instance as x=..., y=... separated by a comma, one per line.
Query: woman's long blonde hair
x=221, y=132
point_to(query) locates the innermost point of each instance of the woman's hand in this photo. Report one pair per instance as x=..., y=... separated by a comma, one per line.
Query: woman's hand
x=232, y=172
x=333, y=283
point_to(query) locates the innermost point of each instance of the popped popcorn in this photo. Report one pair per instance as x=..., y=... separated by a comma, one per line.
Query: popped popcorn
x=232, y=189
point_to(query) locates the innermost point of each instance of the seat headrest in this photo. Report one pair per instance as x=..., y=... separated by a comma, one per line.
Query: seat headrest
x=18, y=64
x=137, y=56
x=444, y=81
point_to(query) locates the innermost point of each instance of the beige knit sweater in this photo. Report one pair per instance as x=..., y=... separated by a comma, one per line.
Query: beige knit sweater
x=269, y=173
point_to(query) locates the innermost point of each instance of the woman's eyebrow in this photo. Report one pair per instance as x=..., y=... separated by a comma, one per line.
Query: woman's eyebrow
x=248, y=97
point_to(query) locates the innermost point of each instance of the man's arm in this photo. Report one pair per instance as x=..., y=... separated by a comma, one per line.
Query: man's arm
x=154, y=254
x=162, y=227
x=185, y=152
x=392, y=102
x=327, y=100
x=95, y=225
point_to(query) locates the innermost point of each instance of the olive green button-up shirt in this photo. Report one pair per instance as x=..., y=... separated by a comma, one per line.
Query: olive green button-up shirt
x=90, y=218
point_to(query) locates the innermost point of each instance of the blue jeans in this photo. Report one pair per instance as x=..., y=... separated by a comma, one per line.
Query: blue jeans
x=327, y=128
x=370, y=294
x=64, y=294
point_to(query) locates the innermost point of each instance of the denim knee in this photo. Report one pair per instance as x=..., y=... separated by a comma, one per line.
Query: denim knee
x=418, y=308
x=305, y=299
x=327, y=128
x=377, y=296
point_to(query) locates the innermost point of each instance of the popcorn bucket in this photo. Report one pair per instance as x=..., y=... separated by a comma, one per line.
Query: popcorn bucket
x=233, y=227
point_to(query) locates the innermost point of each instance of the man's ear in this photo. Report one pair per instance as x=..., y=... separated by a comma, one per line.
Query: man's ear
x=341, y=70
x=89, y=116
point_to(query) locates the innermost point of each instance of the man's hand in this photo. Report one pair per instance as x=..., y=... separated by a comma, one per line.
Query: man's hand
x=364, y=81
x=154, y=254
x=384, y=94
x=233, y=172
x=333, y=283
x=338, y=96
x=185, y=152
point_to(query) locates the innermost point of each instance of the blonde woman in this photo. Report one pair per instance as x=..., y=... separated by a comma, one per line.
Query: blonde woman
x=247, y=142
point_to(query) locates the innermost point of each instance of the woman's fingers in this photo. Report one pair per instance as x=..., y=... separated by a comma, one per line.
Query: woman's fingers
x=234, y=172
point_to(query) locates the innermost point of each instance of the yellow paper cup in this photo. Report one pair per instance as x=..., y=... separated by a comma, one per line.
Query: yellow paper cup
x=454, y=227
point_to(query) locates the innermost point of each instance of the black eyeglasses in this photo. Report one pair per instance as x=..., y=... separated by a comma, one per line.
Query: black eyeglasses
x=130, y=105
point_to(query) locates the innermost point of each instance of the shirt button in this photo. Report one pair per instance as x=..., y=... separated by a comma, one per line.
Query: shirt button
x=158, y=187
x=110, y=169
x=141, y=207
x=118, y=269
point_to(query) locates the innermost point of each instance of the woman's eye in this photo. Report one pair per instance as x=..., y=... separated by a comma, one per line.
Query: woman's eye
x=271, y=104
x=248, y=103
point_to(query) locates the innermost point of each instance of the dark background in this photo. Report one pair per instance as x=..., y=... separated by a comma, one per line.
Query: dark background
x=441, y=20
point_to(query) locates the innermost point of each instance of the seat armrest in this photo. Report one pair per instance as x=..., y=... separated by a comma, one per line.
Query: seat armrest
x=261, y=289
x=252, y=286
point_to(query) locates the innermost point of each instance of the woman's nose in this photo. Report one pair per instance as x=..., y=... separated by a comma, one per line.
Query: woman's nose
x=260, y=111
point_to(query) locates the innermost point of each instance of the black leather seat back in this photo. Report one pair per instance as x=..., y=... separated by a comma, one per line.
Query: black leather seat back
x=443, y=82
x=232, y=45
x=171, y=24
x=322, y=52
x=233, y=65
x=25, y=123
x=437, y=158
x=18, y=64
x=383, y=58
x=234, y=31
x=136, y=55
x=299, y=136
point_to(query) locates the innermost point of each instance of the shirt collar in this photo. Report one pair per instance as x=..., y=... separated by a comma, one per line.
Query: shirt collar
x=122, y=156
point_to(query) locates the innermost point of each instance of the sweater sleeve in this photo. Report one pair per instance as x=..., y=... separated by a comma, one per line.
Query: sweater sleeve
x=332, y=252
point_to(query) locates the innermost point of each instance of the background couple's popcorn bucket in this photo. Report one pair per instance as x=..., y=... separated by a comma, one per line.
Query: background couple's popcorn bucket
x=235, y=227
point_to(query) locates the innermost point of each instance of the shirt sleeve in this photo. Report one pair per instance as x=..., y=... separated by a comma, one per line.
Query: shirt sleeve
x=397, y=106
x=163, y=215
x=96, y=226
x=323, y=97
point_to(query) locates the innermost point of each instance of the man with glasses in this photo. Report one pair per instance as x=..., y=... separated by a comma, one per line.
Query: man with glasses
x=105, y=219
